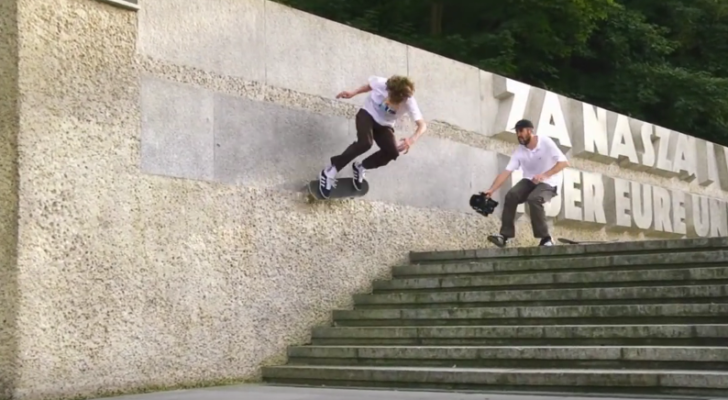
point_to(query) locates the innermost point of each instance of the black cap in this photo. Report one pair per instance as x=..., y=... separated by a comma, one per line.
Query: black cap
x=524, y=123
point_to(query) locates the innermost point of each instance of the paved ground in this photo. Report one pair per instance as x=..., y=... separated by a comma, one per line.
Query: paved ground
x=256, y=392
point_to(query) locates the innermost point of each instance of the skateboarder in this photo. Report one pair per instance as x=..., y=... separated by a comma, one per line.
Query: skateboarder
x=387, y=101
x=542, y=162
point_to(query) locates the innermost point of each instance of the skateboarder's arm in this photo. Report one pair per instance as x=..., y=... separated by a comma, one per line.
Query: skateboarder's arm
x=362, y=89
x=414, y=111
x=421, y=128
x=349, y=94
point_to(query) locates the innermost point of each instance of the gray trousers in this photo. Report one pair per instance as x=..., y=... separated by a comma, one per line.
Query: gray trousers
x=535, y=195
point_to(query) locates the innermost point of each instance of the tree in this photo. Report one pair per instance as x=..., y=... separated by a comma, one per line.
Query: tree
x=662, y=61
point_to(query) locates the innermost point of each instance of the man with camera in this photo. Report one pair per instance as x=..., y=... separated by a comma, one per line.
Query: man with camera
x=542, y=162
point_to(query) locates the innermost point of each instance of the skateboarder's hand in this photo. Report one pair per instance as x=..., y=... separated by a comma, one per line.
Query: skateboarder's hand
x=345, y=95
x=539, y=178
x=404, y=144
x=488, y=193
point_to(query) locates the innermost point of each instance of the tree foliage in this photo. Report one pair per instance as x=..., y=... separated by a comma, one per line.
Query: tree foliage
x=663, y=61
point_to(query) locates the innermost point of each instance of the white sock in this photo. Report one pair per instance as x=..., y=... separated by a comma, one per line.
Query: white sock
x=330, y=171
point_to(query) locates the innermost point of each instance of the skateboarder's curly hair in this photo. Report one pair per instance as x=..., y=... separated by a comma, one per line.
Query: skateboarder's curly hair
x=400, y=88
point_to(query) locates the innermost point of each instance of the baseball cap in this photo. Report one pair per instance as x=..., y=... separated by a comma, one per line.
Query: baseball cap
x=524, y=123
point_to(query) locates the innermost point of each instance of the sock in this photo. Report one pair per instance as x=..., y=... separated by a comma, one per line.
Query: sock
x=330, y=171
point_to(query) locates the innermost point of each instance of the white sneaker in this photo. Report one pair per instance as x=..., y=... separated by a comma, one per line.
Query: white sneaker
x=498, y=240
x=547, y=242
x=327, y=181
x=358, y=175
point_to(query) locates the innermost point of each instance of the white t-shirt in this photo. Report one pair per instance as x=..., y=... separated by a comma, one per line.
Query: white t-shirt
x=539, y=160
x=376, y=107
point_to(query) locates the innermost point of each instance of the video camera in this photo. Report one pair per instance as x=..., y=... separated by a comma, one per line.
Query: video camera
x=483, y=204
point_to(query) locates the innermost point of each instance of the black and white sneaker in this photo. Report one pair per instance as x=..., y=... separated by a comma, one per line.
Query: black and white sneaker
x=326, y=182
x=498, y=240
x=546, y=242
x=358, y=175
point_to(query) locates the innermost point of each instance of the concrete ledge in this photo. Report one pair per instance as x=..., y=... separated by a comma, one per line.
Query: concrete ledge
x=460, y=299
x=572, y=335
x=586, y=261
x=527, y=331
x=617, y=247
x=481, y=355
x=468, y=316
x=586, y=279
x=523, y=379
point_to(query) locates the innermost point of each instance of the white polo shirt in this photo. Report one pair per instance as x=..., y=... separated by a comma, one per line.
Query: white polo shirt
x=542, y=158
x=377, y=107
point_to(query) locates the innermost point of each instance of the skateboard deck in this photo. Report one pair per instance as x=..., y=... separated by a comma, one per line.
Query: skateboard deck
x=344, y=189
x=569, y=241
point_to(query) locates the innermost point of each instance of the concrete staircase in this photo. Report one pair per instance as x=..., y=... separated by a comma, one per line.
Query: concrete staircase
x=627, y=318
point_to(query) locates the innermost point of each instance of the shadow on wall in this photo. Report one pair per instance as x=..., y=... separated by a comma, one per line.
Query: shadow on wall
x=9, y=351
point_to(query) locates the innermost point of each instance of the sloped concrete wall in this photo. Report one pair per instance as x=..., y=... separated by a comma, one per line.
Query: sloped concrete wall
x=8, y=194
x=165, y=239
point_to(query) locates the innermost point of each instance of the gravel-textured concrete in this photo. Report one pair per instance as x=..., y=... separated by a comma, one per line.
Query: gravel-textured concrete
x=126, y=280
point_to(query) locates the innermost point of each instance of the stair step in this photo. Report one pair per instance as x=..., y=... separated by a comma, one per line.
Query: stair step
x=648, y=317
x=554, y=357
x=612, y=262
x=524, y=334
x=669, y=313
x=589, y=250
x=607, y=295
x=550, y=280
x=490, y=379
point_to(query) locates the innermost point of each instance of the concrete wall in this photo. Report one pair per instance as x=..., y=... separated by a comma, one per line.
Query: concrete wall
x=8, y=194
x=165, y=239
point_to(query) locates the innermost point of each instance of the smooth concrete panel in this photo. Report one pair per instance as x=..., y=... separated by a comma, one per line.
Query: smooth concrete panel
x=436, y=173
x=264, y=144
x=257, y=143
x=447, y=90
x=314, y=55
x=176, y=129
x=221, y=36
x=260, y=143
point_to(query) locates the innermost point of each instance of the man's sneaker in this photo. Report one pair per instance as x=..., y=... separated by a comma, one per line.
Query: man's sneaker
x=498, y=240
x=326, y=183
x=358, y=175
x=546, y=242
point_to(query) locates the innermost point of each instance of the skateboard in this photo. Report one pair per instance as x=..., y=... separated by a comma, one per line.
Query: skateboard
x=569, y=241
x=344, y=189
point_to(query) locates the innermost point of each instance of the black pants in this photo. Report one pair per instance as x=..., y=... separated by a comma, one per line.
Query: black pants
x=369, y=131
x=535, y=195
